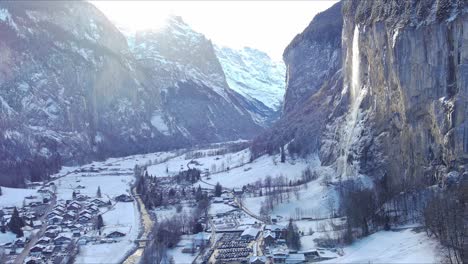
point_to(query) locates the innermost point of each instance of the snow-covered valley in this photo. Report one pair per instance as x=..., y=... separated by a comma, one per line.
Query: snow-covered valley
x=310, y=205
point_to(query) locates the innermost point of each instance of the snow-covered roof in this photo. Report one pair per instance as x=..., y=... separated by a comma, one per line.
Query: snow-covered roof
x=66, y=235
x=269, y=233
x=251, y=231
x=295, y=258
x=275, y=227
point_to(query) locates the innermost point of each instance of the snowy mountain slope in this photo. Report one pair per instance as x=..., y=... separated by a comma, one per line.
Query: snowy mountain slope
x=71, y=90
x=195, y=95
x=66, y=83
x=176, y=51
x=254, y=75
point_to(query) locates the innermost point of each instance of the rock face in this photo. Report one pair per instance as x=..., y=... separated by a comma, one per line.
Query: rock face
x=405, y=74
x=313, y=86
x=313, y=57
x=400, y=113
x=71, y=90
x=258, y=78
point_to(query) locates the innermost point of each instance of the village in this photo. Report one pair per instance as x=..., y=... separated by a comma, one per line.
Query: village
x=53, y=230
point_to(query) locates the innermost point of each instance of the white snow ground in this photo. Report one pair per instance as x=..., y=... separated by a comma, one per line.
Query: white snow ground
x=404, y=246
x=14, y=196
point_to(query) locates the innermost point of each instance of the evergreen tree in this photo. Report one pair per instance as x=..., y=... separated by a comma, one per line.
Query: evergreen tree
x=98, y=193
x=16, y=223
x=0, y=190
x=218, y=190
x=197, y=228
x=74, y=195
x=283, y=155
x=293, y=238
x=99, y=222
x=199, y=194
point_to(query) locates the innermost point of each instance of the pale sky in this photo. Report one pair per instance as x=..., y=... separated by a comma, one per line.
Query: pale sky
x=265, y=25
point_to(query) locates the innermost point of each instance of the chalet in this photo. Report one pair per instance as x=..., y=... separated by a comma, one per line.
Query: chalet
x=75, y=226
x=98, y=202
x=48, y=250
x=257, y=260
x=69, y=216
x=86, y=212
x=73, y=207
x=59, y=208
x=37, y=250
x=36, y=224
x=93, y=209
x=55, y=220
x=63, y=238
x=280, y=231
x=83, y=219
x=124, y=198
x=81, y=197
x=53, y=214
x=76, y=233
x=33, y=260
x=53, y=227
x=269, y=237
x=75, y=203
x=44, y=240
x=20, y=242
x=279, y=255
x=51, y=233
x=238, y=191
x=115, y=234
x=250, y=233
x=29, y=216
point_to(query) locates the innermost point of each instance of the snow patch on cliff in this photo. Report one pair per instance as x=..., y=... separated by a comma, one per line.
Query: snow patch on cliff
x=158, y=122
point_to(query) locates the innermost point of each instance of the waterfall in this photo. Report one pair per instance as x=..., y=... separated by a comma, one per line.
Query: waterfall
x=355, y=80
x=357, y=93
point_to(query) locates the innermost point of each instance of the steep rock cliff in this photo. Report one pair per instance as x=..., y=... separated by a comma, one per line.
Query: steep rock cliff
x=313, y=87
x=405, y=75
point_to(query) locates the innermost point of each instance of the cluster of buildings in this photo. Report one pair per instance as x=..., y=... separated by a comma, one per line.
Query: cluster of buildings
x=55, y=230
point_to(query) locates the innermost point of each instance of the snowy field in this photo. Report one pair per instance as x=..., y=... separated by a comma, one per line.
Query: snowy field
x=404, y=246
x=176, y=253
x=14, y=196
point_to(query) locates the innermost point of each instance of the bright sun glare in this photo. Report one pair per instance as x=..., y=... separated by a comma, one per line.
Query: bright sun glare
x=265, y=25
